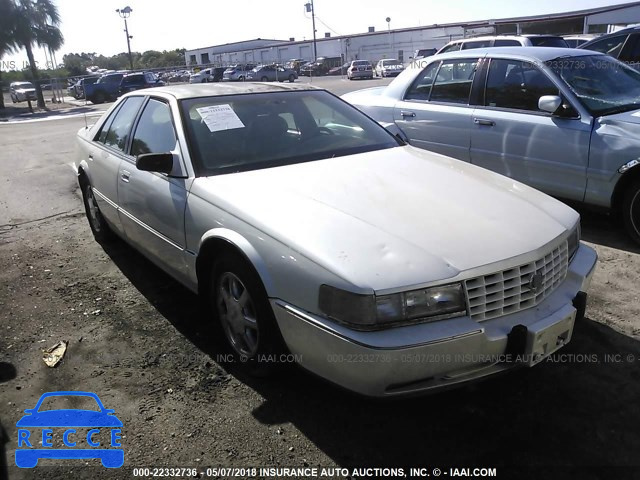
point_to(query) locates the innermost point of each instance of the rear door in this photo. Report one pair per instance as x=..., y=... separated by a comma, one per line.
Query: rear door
x=105, y=155
x=152, y=205
x=435, y=113
x=511, y=136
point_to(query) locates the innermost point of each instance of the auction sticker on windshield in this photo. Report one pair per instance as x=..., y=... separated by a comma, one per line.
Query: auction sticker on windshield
x=220, y=117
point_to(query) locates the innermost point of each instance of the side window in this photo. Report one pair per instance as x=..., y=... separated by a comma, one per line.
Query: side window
x=517, y=85
x=155, y=132
x=476, y=44
x=506, y=43
x=421, y=87
x=611, y=46
x=453, y=83
x=632, y=54
x=451, y=48
x=119, y=129
x=102, y=136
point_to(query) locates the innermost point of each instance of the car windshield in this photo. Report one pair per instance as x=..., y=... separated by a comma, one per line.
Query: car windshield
x=361, y=63
x=389, y=63
x=24, y=85
x=603, y=84
x=253, y=131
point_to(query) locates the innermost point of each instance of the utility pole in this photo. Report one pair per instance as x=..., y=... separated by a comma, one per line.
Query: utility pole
x=124, y=13
x=309, y=7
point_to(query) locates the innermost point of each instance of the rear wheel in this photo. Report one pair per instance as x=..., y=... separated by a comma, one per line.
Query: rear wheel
x=291, y=78
x=631, y=211
x=99, y=227
x=242, y=308
x=264, y=79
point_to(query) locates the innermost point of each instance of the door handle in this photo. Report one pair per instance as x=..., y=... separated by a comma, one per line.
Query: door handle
x=405, y=113
x=484, y=121
x=124, y=175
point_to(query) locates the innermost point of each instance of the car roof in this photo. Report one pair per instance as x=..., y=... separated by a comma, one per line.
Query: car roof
x=181, y=92
x=529, y=53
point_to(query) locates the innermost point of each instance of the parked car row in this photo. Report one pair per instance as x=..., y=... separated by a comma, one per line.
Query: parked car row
x=110, y=86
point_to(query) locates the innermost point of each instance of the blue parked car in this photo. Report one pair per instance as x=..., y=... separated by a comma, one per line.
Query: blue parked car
x=28, y=453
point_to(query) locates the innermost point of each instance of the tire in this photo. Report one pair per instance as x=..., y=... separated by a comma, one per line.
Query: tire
x=98, y=98
x=99, y=227
x=292, y=78
x=239, y=302
x=631, y=211
x=241, y=78
x=264, y=79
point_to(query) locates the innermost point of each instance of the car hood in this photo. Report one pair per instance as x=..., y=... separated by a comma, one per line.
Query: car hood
x=25, y=90
x=628, y=121
x=394, y=217
x=69, y=418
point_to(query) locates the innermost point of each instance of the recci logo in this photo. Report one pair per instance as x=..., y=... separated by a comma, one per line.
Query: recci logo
x=59, y=433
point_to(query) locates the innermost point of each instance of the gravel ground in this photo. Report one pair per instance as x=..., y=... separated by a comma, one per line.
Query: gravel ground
x=140, y=341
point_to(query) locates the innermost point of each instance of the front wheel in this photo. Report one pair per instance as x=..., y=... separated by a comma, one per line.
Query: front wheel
x=99, y=227
x=631, y=211
x=264, y=79
x=240, y=303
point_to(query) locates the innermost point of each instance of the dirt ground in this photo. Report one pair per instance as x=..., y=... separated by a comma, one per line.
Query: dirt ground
x=140, y=340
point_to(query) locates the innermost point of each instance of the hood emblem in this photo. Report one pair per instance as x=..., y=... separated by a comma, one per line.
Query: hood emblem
x=536, y=282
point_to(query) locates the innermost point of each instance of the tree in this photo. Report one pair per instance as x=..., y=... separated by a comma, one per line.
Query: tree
x=6, y=30
x=36, y=22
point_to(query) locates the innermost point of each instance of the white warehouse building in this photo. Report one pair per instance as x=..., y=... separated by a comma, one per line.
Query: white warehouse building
x=401, y=43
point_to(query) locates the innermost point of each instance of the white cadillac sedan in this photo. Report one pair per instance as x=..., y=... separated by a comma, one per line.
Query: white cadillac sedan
x=313, y=231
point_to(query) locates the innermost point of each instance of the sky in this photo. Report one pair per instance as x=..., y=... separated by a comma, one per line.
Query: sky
x=95, y=26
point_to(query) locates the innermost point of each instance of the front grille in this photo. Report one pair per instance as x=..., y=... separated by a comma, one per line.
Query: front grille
x=509, y=291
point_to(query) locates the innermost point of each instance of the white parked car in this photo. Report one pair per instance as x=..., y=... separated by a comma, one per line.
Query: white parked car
x=310, y=229
x=388, y=67
x=22, y=91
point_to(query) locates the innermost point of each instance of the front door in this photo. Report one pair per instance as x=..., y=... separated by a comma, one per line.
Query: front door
x=152, y=205
x=511, y=136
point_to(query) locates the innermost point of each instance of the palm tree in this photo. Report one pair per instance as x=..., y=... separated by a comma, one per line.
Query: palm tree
x=36, y=22
x=6, y=30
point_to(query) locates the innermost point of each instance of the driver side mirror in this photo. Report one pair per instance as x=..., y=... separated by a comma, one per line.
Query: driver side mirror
x=155, y=162
x=549, y=103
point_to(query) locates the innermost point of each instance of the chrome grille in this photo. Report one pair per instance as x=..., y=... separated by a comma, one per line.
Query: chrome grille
x=509, y=291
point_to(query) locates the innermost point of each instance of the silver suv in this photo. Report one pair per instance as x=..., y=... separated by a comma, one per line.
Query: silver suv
x=237, y=72
x=505, y=41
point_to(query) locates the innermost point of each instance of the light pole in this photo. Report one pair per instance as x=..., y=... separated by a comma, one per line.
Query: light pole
x=124, y=13
x=388, y=19
x=309, y=7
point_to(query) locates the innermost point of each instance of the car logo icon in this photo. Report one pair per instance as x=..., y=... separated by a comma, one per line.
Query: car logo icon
x=71, y=422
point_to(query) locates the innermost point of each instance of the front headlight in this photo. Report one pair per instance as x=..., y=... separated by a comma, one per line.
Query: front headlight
x=368, y=312
x=573, y=242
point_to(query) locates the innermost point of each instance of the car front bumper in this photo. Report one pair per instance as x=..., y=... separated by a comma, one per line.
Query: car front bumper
x=429, y=356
